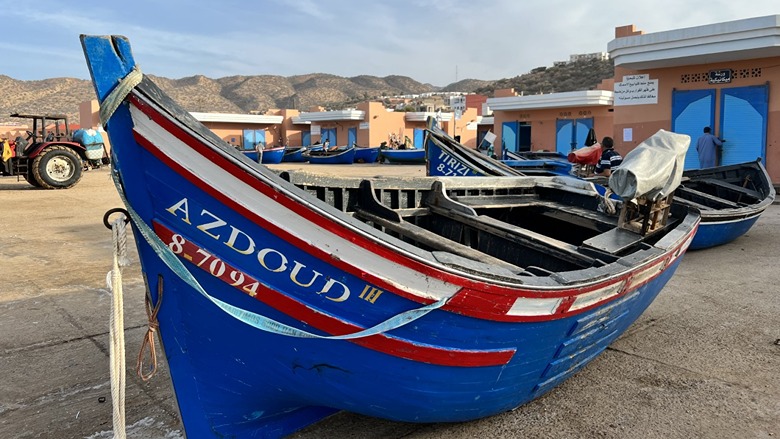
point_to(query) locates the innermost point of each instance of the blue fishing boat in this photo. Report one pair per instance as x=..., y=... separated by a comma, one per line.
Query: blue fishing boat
x=402, y=156
x=341, y=156
x=366, y=154
x=282, y=298
x=273, y=155
x=535, y=155
x=270, y=155
x=538, y=162
x=731, y=198
x=295, y=154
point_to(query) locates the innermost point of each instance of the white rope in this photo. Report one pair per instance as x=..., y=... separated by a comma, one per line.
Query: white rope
x=117, y=327
x=118, y=94
x=608, y=203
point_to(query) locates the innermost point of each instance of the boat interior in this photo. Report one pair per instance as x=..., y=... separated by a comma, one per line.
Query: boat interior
x=527, y=229
x=727, y=189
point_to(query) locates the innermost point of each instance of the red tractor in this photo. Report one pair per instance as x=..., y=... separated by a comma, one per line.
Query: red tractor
x=50, y=157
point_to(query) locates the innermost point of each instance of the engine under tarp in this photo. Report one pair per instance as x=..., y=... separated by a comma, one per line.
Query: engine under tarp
x=653, y=169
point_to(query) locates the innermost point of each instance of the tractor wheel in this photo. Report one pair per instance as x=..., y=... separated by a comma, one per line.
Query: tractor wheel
x=31, y=179
x=57, y=167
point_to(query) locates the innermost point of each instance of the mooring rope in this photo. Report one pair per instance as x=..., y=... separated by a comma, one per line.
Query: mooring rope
x=608, y=203
x=118, y=94
x=147, y=345
x=117, y=327
x=248, y=317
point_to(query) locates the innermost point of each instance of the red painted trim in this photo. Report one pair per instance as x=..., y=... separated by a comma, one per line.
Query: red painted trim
x=479, y=299
x=334, y=326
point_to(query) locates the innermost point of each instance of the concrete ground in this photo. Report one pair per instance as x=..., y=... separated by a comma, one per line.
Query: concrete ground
x=703, y=361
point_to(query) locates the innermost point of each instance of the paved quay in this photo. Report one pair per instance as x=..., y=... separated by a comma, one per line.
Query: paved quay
x=702, y=362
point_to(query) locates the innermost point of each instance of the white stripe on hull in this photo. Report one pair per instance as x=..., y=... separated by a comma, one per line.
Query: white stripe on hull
x=403, y=278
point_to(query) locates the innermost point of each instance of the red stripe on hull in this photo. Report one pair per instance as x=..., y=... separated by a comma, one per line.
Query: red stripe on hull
x=332, y=325
x=479, y=299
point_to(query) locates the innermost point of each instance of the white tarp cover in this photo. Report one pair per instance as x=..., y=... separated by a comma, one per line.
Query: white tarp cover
x=653, y=169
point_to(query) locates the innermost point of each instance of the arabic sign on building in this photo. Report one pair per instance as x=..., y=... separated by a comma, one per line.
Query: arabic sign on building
x=636, y=90
x=719, y=76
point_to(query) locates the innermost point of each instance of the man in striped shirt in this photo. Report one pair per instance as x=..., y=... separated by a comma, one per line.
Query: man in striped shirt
x=609, y=158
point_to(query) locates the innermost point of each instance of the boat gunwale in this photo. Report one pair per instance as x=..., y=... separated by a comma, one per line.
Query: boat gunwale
x=486, y=286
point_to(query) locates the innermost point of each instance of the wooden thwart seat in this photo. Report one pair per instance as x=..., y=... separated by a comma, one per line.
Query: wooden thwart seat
x=732, y=187
x=693, y=192
x=433, y=240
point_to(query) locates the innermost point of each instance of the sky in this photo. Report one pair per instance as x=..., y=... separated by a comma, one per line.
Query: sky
x=432, y=41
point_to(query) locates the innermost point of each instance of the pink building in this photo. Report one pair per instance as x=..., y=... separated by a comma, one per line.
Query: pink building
x=717, y=75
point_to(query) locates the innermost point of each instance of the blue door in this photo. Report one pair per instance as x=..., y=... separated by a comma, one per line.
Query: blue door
x=581, y=128
x=743, y=123
x=328, y=134
x=419, y=135
x=509, y=132
x=252, y=138
x=692, y=110
x=305, y=138
x=570, y=134
x=351, y=136
x=564, y=136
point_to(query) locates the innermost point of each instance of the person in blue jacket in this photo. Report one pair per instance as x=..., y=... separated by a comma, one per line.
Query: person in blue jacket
x=707, y=147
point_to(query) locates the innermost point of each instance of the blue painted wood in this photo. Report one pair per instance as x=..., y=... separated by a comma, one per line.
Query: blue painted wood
x=509, y=131
x=345, y=156
x=273, y=155
x=366, y=154
x=743, y=123
x=351, y=136
x=233, y=380
x=328, y=134
x=731, y=199
x=418, y=138
x=295, y=154
x=402, y=156
x=692, y=110
x=564, y=136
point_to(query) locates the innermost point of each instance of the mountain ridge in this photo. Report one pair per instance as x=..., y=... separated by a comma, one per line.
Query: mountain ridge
x=258, y=93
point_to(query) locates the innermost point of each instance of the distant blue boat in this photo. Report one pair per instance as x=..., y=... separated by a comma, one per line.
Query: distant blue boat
x=538, y=162
x=402, y=156
x=731, y=198
x=295, y=154
x=535, y=155
x=273, y=155
x=286, y=297
x=345, y=156
x=270, y=155
x=366, y=154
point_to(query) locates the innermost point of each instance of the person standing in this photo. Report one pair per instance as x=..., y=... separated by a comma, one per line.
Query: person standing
x=609, y=158
x=259, y=148
x=707, y=147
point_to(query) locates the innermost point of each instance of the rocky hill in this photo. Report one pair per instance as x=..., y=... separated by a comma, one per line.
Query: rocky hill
x=244, y=94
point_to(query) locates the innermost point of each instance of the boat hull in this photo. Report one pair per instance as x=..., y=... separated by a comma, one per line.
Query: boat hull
x=223, y=376
x=402, y=156
x=295, y=155
x=341, y=157
x=278, y=307
x=366, y=154
x=715, y=233
x=270, y=156
x=231, y=379
x=731, y=199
